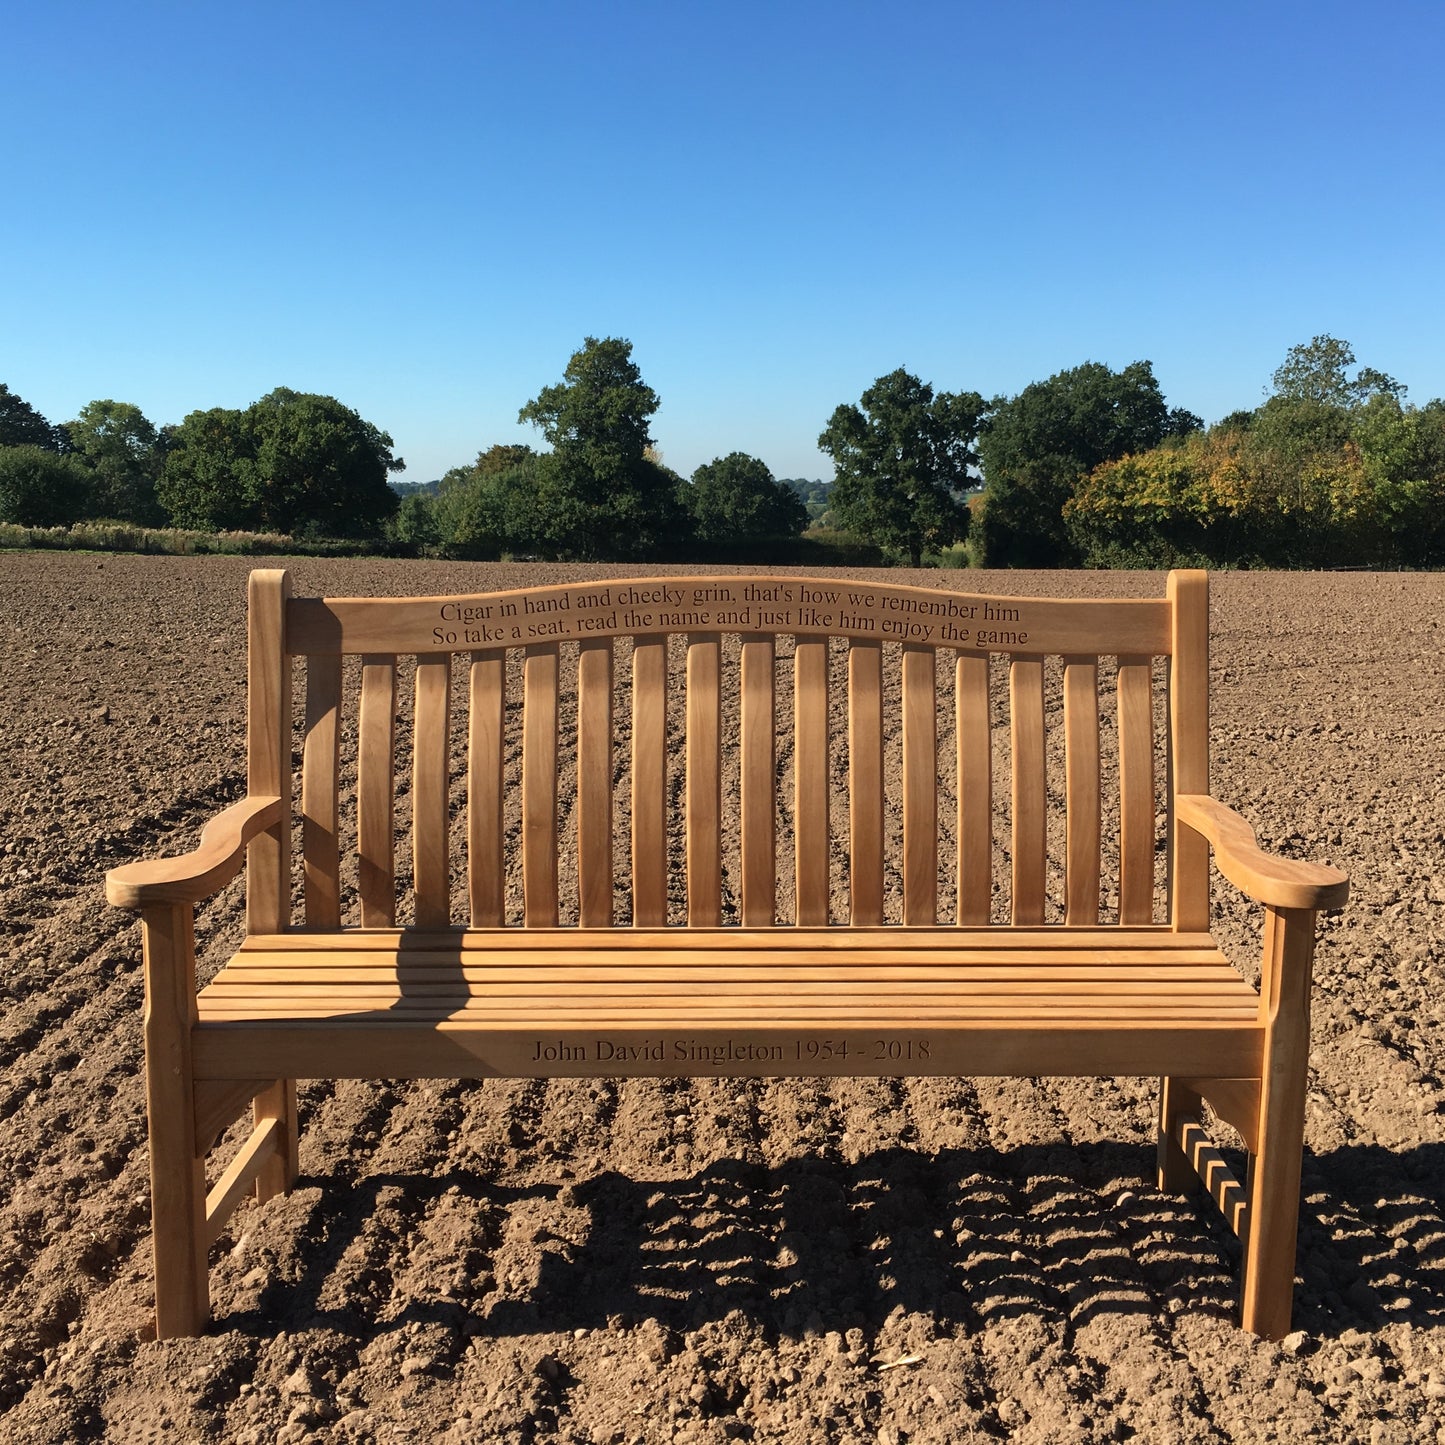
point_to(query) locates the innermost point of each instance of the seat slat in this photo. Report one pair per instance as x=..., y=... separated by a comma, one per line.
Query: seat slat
x=1081, y=787
x=430, y=813
x=375, y=792
x=1030, y=839
x=486, y=716
x=839, y=940
x=1136, y=791
x=865, y=783
x=320, y=764
x=539, y=785
x=594, y=783
x=811, y=841
x=757, y=758
x=975, y=788
x=649, y=781
x=704, y=780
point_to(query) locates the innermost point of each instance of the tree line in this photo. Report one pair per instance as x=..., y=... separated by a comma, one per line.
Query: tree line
x=1089, y=467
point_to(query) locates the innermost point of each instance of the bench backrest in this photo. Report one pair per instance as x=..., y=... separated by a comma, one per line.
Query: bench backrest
x=614, y=721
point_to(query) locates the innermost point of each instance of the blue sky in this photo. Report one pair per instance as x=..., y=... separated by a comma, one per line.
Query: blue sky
x=423, y=208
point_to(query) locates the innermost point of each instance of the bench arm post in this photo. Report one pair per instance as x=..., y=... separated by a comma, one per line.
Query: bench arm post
x=178, y=1176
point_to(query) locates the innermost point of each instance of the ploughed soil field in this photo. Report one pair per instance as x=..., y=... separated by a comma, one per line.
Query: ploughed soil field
x=717, y=1259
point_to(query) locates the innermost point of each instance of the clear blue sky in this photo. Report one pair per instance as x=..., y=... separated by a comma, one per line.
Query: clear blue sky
x=423, y=208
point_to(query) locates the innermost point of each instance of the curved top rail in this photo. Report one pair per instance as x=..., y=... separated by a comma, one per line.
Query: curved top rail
x=767, y=603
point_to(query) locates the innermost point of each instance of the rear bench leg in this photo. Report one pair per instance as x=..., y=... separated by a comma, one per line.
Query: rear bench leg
x=1175, y=1174
x=278, y=1101
x=178, y=1174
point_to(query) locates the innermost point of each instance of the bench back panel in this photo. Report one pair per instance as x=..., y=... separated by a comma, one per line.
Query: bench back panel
x=755, y=750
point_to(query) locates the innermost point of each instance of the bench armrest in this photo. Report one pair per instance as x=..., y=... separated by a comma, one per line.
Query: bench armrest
x=1276, y=882
x=215, y=860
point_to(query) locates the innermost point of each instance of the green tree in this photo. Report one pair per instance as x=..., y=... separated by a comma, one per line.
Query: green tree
x=319, y=466
x=123, y=453
x=41, y=488
x=1037, y=446
x=22, y=426
x=902, y=460
x=601, y=496
x=207, y=479
x=735, y=500
x=1315, y=371
x=814, y=494
x=415, y=524
x=483, y=511
x=291, y=462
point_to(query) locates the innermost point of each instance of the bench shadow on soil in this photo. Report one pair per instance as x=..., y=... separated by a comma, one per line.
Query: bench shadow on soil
x=971, y=1237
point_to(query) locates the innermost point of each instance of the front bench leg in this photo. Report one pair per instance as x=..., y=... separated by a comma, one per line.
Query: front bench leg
x=1274, y=1174
x=178, y=1172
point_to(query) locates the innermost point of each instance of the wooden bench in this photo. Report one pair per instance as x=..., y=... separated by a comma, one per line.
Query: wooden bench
x=634, y=725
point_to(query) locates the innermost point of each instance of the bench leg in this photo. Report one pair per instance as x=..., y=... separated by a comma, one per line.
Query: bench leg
x=1175, y=1174
x=178, y=1175
x=278, y=1101
x=1267, y=1296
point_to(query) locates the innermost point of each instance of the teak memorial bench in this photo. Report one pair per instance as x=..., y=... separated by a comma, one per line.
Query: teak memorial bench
x=649, y=722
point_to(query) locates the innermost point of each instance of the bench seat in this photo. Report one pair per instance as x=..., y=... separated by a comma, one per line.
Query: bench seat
x=537, y=1003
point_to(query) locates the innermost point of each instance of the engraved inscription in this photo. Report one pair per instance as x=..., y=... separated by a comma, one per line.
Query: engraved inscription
x=720, y=1054
x=897, y=614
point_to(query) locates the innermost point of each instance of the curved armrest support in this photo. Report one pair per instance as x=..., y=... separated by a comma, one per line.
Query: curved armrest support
x=1271, y=880
x=216, y=859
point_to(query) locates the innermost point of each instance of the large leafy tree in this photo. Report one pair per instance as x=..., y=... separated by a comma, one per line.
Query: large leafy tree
x=320, y=466
x=41, y=488
x=292, y=461
x=1331, y=469
x=902, y=459
x=22, y=426
x=735, y=501
x=1316, y=371
x=206, y=481
x=492, y=506
x=601, y=495
x=123, y=453
x=1037, y=446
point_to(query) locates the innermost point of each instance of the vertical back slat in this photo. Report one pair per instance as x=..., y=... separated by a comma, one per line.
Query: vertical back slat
x=865, y=782
x=376, y=792
x=810, y=779
x=268, y=748
x=920, y=786
x=757, y=757
x=649, y=781
x=1136, y=791
x=1030, y=839
x=1189, y=746
x=430, y=814
x=320, y=761
x=975, y=788
x=539, y=785
x=486, y=716
x=594, y=783
x=1081, y=789
x=704, y=781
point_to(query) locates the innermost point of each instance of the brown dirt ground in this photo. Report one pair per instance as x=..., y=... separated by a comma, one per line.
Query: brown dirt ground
x=642, y=1261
